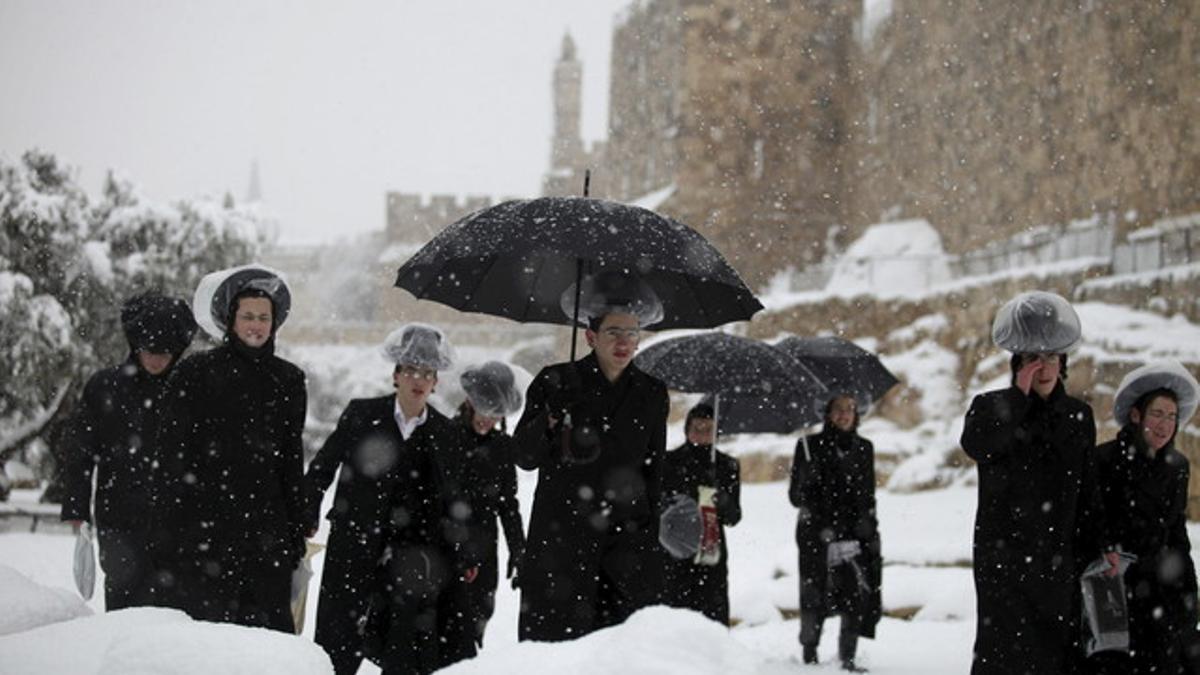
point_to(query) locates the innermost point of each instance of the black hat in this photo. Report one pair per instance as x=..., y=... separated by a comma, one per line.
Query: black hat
x=153, y=322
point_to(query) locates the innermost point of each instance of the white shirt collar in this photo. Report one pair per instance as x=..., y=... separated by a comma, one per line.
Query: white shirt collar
x=408, y=426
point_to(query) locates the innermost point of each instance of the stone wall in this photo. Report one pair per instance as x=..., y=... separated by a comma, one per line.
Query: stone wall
x=989, y=117
x=784, y=130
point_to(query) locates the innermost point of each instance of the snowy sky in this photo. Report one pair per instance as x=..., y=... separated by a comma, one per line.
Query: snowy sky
x=338, y=101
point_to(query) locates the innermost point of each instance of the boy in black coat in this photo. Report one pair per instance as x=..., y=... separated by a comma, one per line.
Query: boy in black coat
x=697, y=469
x=400, y=522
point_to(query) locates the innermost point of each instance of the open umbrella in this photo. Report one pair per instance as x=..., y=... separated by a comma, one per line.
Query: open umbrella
x=756, y=387
x=516, y=259
x=842, y=366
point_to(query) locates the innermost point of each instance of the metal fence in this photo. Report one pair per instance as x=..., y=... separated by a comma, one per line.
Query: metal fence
x=1166, y=243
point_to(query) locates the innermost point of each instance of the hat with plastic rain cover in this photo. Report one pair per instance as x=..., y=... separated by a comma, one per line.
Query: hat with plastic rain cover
x=680, y=527
x=613, y=292
x=156, y=323
x=215, y=294
x=491, y=389
x=1158, y=375
x=1037, y=322
x=419, y=345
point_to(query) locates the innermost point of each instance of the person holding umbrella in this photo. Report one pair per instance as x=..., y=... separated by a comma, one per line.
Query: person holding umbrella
x=1040, y=520
x=112, y=436
x=227, y=503
x=837, y=532
x=491, y=396
x=398, y=463
x=710, y=478
x=596, y=431
x=1144, y=483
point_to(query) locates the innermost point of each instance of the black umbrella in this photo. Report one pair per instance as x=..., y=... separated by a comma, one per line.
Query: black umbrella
x=757, y=388
x=844, y=367
x=516, y=259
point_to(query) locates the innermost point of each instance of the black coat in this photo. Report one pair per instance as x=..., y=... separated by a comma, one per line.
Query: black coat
x=592, y=555
x=704, y=588
x=833, y=485
x=395, y=499
x=1145, y=500
x=228, y=506
x=494, y=496
x=1037, y=526
x=112, y=436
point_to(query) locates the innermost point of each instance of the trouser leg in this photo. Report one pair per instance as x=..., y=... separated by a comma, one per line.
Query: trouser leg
x=848, y=637
x=811, y=622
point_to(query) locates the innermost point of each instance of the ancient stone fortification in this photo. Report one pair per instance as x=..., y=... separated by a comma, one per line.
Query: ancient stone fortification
x=779, y=120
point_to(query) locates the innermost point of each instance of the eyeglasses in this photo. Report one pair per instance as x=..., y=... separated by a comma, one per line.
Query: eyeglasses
x=418, y=373
x=1046, y=359
x=615, y=333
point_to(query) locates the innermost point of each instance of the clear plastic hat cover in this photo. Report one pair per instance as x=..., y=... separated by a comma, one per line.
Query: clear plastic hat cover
x=1037, y=322
x=492, y=389
x=1158, y=375
x=613, y=291
x=217, y=290
x=680, y=527
x=419, y=345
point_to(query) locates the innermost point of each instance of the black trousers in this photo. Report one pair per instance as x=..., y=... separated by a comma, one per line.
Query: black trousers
x=811, y=623
x=125, y=559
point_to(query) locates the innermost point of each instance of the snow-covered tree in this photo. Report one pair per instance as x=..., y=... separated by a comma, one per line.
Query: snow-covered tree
x=66, y=266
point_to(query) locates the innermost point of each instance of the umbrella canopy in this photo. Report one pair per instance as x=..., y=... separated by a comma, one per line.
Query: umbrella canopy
x=842, y=366
x=760, y=388
x=516, y=259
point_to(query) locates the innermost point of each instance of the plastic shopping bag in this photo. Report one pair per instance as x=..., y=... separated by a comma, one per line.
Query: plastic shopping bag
x=85, y=562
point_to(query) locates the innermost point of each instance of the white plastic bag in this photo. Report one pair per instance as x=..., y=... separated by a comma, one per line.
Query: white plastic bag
x=85, y=562
x=301, y=577
x=1105, y=614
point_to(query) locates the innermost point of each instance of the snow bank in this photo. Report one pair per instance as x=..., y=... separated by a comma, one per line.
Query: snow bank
x=161, y=641
x=26, y=604
x=892, y=259
x=654, y=640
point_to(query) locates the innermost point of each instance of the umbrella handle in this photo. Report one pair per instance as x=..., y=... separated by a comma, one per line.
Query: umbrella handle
x=575, y=317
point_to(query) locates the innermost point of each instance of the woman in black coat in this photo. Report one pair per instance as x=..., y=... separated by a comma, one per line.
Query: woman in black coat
x=701, y=582
x=491, y=395
x=592, y=556
x=227, y=496
x=1144, y=483
x=112, y=435
x=399, y=467
x=833, y=485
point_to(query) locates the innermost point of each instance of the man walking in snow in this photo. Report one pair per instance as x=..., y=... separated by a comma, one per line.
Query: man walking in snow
x=596, y=431
x=112, y=437
x=401, y=524
x=228, y=507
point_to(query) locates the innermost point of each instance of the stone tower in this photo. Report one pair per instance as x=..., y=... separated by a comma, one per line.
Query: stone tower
x=568, y=160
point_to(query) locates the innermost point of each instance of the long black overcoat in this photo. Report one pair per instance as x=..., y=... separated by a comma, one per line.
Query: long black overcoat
x=704, y=588
x=1038, y=524
x=398, y=493
x=833, y=486
x=228, y=506
x=494, y=496
x=592, y=556
x=1145, y=501
x=112, y=436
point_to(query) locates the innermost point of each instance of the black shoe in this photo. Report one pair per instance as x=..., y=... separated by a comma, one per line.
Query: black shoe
x=810, y=654
x=848, y=666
